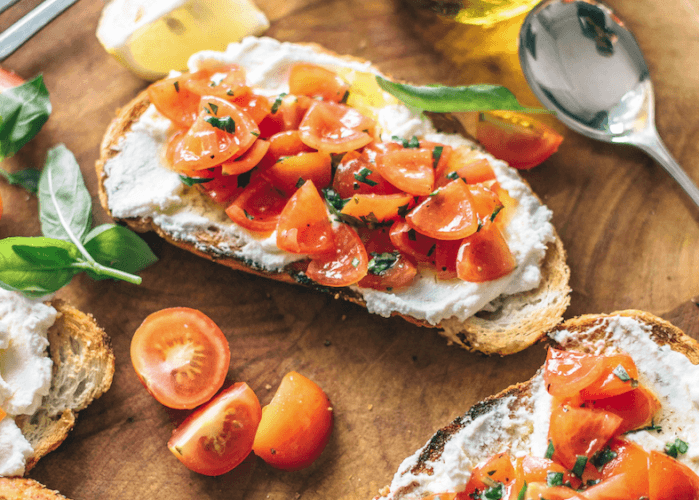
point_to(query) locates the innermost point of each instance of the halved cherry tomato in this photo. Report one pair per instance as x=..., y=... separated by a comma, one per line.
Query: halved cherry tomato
x=248, y=160
x=410, y=170
x=174, y=101
x=566, y=373
x=508, y=202
x=669, y=479
x=477, y=171
x=447, y=215
x=355, y=174
x=377, y=207
x=484, y=256
x=283, y=144
x=345, y=265
x=536, y=469
x=258, y=207
x=486, y=204
x=637, y=407
x=445, y=254
x=496, y=469
x=458, y=158
x=441, y=153
x=410, y=242
x=335, y=128
x=257, y=106
x=218, y=436
x=580, y=432
x=180, y=356
x=285, y=114
x=620, y=376
x=520, y=141
x=317, y=82
x=226, y=82
x=9, y=80
x=287, y=172
x=376, y=240
x=627, y=459
x=620, y=487
x=221, y=131
x=541, y=491
x=399, y=275
x=304, y=226
x=295, y=426
x=220, y=188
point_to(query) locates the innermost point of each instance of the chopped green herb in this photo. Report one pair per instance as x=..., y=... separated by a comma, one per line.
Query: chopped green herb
x=621, y=373
x=28, y=178
x=251, y=217
x=277, y=103
x=496, y=212
x=355, y=262
x=431, y=251
x=434, y=193
x=412, y=234
x=344, y=97
x=403, y=210
x=381, y=263
x=678, y=447
x=334, y=199
x=212, y=83
x=592, y=482
x=362, y=175
x=452, y=175
x=256, y=134
x=230, y=92
x=549, y=450
x=493, y=492
x=227, y=124
x=214, y=108
x=244, y=179
x=554, y=479
x=191, y=181
x=522, y=492
x=603, y=457
x=579, y=467
x=300, y=182
x=177, y=86
x=437, y=154
x=413, y=143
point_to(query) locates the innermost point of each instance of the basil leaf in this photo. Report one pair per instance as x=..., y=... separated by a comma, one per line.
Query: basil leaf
x=37, y=266
x=554, y=479
x=118, y=247
x=549, y=450
x=65, y=205
x=23, y=111
x=27, y=178
x=443, y=99
x=380, y=263
x=191, y=181
x=579, y=467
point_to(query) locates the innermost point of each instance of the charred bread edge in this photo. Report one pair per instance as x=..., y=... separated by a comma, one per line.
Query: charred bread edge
x=26, y=489
x=480, y=333
x=662, y=333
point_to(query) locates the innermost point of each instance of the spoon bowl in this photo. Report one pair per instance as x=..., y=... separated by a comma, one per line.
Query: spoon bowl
x=581, y=61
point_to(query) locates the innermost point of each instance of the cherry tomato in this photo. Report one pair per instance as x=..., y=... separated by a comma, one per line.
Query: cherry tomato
x=335, y=128
x=535, y=469
x=486, y=204
x=9, y=80
x=345, y=265
x=220, y=188
x=497, y=468
x=317, y=82
x=447, y=215
x=285, y=114
x=541, y=491
x=378, y=207
x=441, y=154
x=295, y=426
x=180, y=356
x=174, y=101
x=304, y=226
x=637, y=407
x=476, y=171
x=457, y=159
x=376, y=240
x=255, y=105
x=287, y=172
x=355, y=174
x=669, y=479
x=258, y=207
x=226, y=82
x=218, y=436
x=620, y=373
x=409, y=170
x=400, y=275
x=520, y=141
x=410, y=242
x=566, y=373
x=630, y=460
x=445, y=254
x=484, y=256
x=283, y=144
x=248, y=160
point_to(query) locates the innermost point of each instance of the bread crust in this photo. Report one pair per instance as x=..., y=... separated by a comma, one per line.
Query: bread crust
x=26, y=489
x=519, y=323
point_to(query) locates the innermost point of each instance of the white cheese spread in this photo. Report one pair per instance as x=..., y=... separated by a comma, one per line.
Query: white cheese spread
x=25, y=371
x=138, y=184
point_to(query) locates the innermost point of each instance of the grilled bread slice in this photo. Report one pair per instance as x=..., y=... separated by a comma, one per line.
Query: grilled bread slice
x=517, y=419
x=26, y=489
x=512, y=322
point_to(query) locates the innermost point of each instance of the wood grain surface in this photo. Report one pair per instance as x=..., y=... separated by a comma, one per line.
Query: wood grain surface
x=631, y=234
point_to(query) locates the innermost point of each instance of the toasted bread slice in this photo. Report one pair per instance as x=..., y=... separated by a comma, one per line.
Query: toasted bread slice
x=516, y=321
x=26, y=489
x=83, y=367
x=517, y=419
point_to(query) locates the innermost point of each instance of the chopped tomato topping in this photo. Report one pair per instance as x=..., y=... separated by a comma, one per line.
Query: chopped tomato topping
x=620, y=375
x=174, y=101
x=257, y=106
x=486, y=203
x=508, y=202
x=355, y=174
x=221, y=188
x=441, y=154
x=566, y=373
x=285, y=114
x=290, y=171
x=283, y=144
x=345, y=265
x=258, y=207
x=535, y=469
x=669, y=479
x=541, y=491
x=448, y=214
x=637, y=407
x=627, y=459
x=484, y=256
x=248, y=160
x=376, y=240
x=410, y=242
x=226, y=82
x=377, y=207
x=317, y=82
x=408, y=169
x=304, y=226
x=335, y=128
x=399, y=274
x=497, y=469
x=458, y=158
x=445, y=255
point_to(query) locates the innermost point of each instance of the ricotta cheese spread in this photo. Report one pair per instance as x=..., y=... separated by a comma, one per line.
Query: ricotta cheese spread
x=139, y=184
x=25, y=372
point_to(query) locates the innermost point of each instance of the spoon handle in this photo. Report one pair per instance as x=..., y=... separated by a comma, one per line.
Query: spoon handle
x=654, y=146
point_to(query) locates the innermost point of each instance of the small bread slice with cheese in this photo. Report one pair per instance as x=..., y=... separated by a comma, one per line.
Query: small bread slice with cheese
x=517, y=419
x=139, y=188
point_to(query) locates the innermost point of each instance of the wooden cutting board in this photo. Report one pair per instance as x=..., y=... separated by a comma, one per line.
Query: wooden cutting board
x=631, y=234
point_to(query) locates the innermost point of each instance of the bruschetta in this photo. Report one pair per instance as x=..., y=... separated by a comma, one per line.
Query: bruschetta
x=611, y=414
x=289, y=162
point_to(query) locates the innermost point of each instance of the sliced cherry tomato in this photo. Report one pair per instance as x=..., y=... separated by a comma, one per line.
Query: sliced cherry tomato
x=378, y=207
x=520, y=141
x=484, y=256
x=617, y=487
x=496, y=469
x=441, y=153
x=9, y=80
x=566, y=373
x=399, y=275
x=626, y=459
x=376, y=240
x=220, y=188
x=248, y=160
x=541, y=491
x=637, y=407
x=295, y=426
x=669, y=479
x=445, y=254
x=355, y=174
x=226, y=82
x=174, y=101
x=410, y=170
x=620, y=376
x=335, y=128
x=486, y=204
x=535, y=469
x=580, y=432
x=285, y=114
x=345, y=265
x=458, y=158
x=180, y=356
x=410, y=242
x=304, y=226
x=218, y=436
x=221, y=131
x=448, y=214
x=508, y=202
x=257, y=106
x=258, y=207
x=317, y=82
x=283, y=144
x=287, y=172
x=477, y=171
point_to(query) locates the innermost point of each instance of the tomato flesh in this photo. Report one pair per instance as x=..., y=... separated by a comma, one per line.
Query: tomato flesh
x=295, y=426
x=400, y=275
x=218, y=436
x=248, y=160
x=355, y=174
x=377, y=207
x=669, y=479
x=409, y=170
x=345, y=265
x=180, y=356
x=335, y=128
x=226, y=82
x=174, y=101
x=636, y=407
x=258, y=207
x=304, y=226
x=9, y=80
x=447, y=215
x=566, y=373
x=484, y=256
x=410, y=242
x=317, y=82
x=289, y=171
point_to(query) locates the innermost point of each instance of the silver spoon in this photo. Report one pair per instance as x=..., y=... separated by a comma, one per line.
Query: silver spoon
x=582, y=62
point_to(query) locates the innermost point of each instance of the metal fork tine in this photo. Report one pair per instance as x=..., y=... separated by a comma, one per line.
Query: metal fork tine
x=14, y=37
x=6, y=4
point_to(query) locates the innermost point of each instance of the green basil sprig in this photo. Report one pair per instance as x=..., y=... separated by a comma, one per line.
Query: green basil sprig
x=37, y=266
x=27, y=178
x=444, y=99
x=23, y=111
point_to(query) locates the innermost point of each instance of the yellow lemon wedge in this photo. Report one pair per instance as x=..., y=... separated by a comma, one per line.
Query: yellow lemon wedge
x=152, y=37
